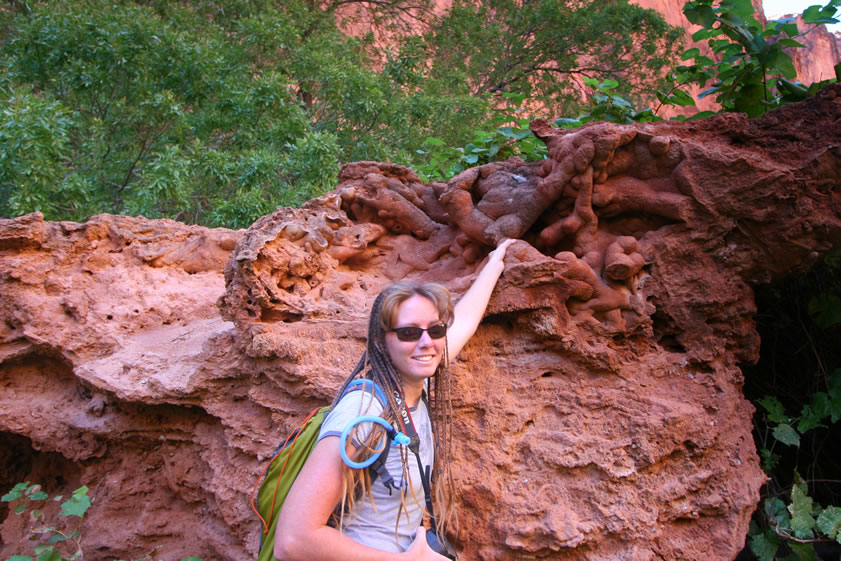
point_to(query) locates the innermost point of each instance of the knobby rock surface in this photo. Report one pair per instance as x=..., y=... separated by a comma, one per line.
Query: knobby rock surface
x=598, y=410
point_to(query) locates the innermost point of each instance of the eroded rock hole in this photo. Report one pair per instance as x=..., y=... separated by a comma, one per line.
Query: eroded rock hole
x=21, y=462
x=666, y=331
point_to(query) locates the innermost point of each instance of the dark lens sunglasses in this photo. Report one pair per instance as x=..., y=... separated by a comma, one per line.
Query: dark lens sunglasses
x=407, y=334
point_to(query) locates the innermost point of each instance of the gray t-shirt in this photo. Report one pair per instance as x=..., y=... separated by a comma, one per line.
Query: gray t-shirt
x=375, y=527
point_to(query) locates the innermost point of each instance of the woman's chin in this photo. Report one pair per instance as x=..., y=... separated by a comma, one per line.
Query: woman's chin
x=419, y=375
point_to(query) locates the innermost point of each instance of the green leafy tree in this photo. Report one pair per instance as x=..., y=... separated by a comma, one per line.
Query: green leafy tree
x=212, y=113
x=34, y=152
x=752, y=72
x=511, y=138
x=545, y=48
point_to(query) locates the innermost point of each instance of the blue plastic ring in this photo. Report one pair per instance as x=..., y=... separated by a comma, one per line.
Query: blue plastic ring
x=400, y=438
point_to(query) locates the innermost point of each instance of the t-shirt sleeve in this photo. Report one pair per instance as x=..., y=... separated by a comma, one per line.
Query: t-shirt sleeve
x=351, y=406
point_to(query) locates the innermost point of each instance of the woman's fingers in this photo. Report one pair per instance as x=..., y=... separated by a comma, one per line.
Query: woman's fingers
x=499, y=252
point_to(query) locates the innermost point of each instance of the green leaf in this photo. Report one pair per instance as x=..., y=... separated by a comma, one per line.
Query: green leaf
x=10, y=496
x=19, y=558
x=742, y=8
x=702, y=34
x=700, y=15
x=816, y=15
x=775, y=409
x=775, y=509
x=566, y=123
x=49, y=556
x=56, y=538
x=690, y=53
x=701, y=115
x=680, y=97
x=522, y=134
x=608, y=84
x=77, y=504
x=765, y=545
x=810, y=420
x=769, y=459
x=829, y=522
x=39, y=496
x=192, y=559
x=432, y=141
x=786, y=434
x=802, y=521
x=821, y=405
x=789, y=27
x=20, y=509
x=802, y=551
x=16, y=492
x=791, y=43
x=783, y=62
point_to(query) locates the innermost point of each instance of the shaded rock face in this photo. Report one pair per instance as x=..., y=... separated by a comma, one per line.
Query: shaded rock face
x=598, y=410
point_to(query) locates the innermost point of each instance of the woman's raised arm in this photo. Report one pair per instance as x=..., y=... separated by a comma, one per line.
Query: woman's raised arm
x=471, y=308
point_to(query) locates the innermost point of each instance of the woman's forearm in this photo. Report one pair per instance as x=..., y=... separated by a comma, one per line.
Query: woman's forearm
x=470, y=310
x=328, y=544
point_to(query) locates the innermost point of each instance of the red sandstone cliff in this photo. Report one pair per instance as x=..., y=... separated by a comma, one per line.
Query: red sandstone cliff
x=598, y=410
x=816, y=62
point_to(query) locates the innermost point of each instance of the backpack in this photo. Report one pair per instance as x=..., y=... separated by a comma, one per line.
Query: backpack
x=284, y=467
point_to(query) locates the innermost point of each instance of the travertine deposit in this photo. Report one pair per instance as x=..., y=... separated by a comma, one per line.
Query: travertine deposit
x=599, y=412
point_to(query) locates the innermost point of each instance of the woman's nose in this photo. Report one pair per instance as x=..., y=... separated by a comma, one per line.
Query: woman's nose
x=425, y=340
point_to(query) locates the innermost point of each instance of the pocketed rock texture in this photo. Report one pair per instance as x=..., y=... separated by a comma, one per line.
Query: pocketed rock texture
x=598, y=410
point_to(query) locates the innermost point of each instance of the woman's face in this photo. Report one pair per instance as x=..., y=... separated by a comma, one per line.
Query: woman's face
x=415, y=360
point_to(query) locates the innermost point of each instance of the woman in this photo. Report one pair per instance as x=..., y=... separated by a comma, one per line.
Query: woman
x=407, y=348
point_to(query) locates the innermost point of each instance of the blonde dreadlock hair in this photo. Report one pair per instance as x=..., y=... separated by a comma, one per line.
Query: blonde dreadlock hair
x=376, y=365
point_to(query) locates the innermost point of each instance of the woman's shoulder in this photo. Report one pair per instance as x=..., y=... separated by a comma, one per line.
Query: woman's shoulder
x=353, y=404
x=361, y=402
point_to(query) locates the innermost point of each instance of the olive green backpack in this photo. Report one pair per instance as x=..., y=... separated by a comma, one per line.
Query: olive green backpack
x=279, y=476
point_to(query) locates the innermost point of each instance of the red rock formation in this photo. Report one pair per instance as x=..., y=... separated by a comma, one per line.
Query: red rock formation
x=598, y=410
x=817, y=61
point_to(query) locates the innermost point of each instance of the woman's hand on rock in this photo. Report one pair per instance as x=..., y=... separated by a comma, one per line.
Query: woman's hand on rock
x=498, y=254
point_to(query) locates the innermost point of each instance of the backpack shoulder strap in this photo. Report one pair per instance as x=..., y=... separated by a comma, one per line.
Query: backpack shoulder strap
x=366, y=384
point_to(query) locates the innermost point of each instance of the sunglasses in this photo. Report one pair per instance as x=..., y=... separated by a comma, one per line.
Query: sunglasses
x=407, y=334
